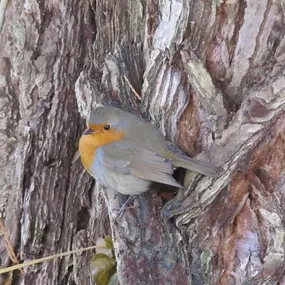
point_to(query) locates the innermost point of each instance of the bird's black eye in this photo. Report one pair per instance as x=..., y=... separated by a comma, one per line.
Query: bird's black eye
x=107, y=127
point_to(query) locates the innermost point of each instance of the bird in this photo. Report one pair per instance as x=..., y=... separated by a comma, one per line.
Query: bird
x=126, y=153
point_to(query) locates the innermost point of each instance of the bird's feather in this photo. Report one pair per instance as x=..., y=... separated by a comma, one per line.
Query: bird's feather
x=142, y=163
x=179, y=159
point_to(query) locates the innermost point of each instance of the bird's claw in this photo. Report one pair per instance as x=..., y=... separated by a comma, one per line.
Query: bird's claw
x=123, y=208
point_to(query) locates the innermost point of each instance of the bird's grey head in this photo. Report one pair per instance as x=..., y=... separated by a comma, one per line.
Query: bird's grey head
x=114, y=117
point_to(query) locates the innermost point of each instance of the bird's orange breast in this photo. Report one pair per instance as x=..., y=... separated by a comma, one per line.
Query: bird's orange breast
x=88, y=144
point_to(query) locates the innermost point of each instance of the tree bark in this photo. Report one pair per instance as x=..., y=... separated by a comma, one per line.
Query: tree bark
x=210, y=75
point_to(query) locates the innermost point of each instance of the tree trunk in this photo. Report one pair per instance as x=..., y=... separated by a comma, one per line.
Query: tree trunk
x=210, y=74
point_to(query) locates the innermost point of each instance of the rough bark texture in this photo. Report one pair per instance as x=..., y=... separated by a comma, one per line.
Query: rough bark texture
x=210, y=75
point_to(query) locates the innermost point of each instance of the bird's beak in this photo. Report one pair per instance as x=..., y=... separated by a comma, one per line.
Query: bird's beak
x=88, y=132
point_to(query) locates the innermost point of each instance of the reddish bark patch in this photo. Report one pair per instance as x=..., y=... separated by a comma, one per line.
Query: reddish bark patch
x=235, y=216
x=222, y=213
x=189, y=130
x=166, y=196
x=152, y=20
x=239, y=241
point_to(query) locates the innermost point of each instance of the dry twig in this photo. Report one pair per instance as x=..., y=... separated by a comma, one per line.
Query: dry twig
x=9, y=246
x=132, y=88
x=47, y=258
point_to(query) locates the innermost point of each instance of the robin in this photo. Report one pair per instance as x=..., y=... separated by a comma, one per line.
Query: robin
x=126, y=153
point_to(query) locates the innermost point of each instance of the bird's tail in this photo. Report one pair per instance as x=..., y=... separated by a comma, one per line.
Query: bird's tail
x=195, y=165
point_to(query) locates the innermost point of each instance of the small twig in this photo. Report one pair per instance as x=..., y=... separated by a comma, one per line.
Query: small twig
x=132, y=88
x=9, y=246
x=47, y=258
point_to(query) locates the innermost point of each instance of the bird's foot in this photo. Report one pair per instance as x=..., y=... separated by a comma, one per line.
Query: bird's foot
x=123, y=208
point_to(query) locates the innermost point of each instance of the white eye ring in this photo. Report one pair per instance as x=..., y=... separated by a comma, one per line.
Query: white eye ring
x=107, y=127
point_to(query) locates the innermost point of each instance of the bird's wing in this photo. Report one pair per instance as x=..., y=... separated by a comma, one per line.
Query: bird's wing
x=141, y=163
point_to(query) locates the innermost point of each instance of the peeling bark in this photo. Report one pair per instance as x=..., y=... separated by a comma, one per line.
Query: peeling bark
x=211, y=77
